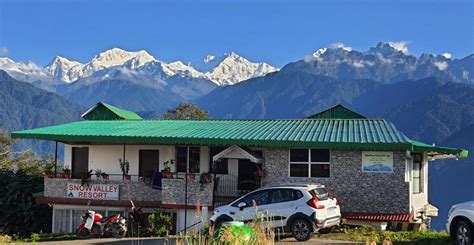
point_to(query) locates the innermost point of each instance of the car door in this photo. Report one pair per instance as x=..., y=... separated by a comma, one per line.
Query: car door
x=255, y=203
x=283, y=203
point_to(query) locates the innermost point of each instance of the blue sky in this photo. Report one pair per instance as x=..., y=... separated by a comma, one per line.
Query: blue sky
x=273, y=31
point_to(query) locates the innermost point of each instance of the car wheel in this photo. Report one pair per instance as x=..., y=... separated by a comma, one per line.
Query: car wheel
x=327, y=230
x=301, y=230
x=463, y=233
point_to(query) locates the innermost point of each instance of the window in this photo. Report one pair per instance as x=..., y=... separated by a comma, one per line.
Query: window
x=260, y=197
x=417, y=173
x=188, y=158
x=222, y=166
x=310, y=163
x=285, y=195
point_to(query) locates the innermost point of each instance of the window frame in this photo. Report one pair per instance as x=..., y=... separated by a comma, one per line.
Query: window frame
x=187, y=159
x=309, y=163
x=419, y=179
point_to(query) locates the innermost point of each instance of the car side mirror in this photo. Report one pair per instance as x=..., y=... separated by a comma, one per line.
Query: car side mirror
x=241, y=205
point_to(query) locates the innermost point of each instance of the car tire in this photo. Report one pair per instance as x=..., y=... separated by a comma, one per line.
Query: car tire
x=463, y=233
x=301, y=230
x=327, y=230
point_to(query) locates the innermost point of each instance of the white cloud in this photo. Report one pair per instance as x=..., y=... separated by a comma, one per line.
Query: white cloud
x=441, y=65
x=400, y=46
x=3, y=51
x=341, y=46
x=447, y=55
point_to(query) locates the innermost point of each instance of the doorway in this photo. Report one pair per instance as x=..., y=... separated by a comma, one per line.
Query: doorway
x=247, y=176
x=80, y=162
x=148, y=162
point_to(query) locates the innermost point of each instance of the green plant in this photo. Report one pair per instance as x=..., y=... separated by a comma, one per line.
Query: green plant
x=66, y=170
x=166, y=165
x=160, y=222
x=124, y=166
x=98, y=173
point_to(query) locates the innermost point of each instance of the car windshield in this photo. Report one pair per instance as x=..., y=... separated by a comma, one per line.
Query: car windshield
x=320, y=193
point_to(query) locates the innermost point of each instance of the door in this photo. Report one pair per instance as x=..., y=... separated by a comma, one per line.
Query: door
x=283, y=205
x=247, y=176
x=80, y=162
x=148, y=162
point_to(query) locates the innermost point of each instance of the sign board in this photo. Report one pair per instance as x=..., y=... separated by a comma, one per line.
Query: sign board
x=377, y=161
x=93, y=191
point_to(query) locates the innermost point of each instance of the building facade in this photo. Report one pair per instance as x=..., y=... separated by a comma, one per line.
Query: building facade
x=378, y=174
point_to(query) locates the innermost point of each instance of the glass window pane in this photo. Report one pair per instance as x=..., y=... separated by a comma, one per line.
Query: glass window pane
x=260, y=197
x=416, y=185
x=320, y=155
x=299, y=155
x=299, y=170
x=181, y=158
x=320, y=170
x=416, y=170
x=61, y=220
x=282, y=195
x=194, y=159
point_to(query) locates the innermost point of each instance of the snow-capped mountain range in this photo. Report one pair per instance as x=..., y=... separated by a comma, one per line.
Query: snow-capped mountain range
x=386, y=62
x=230, y=68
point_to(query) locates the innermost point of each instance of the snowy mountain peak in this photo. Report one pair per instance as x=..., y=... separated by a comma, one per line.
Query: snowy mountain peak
x=6, y=60
x=319, y=52
x=64, y=69
x=117, y=56
x=233, y=68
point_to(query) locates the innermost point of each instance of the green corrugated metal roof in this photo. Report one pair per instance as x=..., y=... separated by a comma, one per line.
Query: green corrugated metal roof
x=364, y=134
x=432, y=149
x=104, y=111
x=337, y=112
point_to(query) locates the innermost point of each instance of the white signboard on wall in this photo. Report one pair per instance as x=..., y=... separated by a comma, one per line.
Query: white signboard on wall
x=377, y=161
x=93, y=191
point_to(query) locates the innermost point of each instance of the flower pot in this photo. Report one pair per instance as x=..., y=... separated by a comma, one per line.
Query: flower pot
x=49, y=175
x=191, y=176
x=127, y=177
x=105, y=176
x=66, y=175
x=167, y=175
x=261, y=173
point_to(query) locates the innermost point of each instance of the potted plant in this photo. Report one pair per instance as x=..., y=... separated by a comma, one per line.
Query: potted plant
x=191, y=175
x=167, y=169
x=66, y=173
x=104, y=176
x=205, y=178
x=49, y=170
x=98, y=173
x=125, y=167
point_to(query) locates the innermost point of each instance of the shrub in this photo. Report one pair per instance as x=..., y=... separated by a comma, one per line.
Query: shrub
x=160, y=222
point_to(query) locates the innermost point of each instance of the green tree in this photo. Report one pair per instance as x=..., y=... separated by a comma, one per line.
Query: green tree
x=21, y=175
x=186, y=111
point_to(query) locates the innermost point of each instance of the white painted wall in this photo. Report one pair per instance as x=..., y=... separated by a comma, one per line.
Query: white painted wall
x=106, y=157
x=192, y=219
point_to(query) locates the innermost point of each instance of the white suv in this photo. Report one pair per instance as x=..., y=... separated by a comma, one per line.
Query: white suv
x=298, y=209
x=460, y=223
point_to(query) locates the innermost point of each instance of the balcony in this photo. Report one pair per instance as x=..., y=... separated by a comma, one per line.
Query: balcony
x=174, y=191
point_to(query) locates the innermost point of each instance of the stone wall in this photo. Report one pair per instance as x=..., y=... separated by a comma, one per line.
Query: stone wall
x=129, y=190
x=174, y=192
x=357, y=191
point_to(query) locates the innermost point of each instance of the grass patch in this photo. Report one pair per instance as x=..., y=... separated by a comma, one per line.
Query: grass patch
x=46, y=237
x=367, y=234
